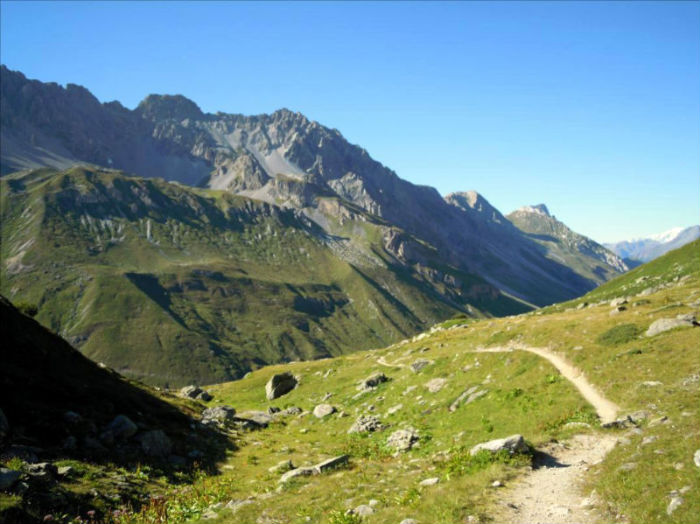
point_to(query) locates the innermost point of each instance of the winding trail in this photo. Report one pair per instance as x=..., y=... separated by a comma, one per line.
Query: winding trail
x=551, y=493
x=607, y=410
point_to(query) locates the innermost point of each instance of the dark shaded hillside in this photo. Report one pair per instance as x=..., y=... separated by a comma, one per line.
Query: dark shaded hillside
x=59, y=405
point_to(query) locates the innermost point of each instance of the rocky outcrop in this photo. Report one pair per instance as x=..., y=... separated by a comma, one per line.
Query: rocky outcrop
x=666, y=324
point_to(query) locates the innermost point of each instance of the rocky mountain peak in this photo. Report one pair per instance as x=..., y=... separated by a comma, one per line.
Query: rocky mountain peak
x=167, y=107
x=539, y=209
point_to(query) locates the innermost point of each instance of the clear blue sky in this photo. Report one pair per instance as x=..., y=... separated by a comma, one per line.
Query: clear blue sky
x=592, y=108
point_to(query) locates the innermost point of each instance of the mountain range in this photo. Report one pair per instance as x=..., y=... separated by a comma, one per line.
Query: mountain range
x=177, y=245
x=639, y=250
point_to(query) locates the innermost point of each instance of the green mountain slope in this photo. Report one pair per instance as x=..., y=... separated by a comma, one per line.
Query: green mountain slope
x=172, y=284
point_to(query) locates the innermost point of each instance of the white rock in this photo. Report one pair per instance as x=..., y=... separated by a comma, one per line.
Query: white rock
x=430, y=482
x=323, y=410
x=674, y=504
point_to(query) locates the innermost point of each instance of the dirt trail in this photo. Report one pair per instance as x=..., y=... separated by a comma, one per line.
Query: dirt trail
x=551, y=493
x=607, y=410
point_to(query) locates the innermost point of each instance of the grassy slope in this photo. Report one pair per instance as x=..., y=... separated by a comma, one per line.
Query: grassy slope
x=170, y=284
x=525, y=395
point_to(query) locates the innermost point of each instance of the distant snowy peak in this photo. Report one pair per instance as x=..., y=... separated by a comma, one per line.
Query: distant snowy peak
x=668, y=236
x=653, y=246
x=539, y=209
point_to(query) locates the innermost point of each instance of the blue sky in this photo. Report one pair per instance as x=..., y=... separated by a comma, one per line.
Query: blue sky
x=590, y=107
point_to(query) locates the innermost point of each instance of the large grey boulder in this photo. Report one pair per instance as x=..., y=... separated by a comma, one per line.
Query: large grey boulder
x=279, y=385
x=317, y=469
x=156, y=443
x=512, y=444
x=366, y=423
x=665, y=324
x=122, y=427
x=402, y=439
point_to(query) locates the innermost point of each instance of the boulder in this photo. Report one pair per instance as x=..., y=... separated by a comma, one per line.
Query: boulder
x=42, y=470
x=122, y=427
x=220, y=415
x=205, y=396
x=8, y=477
x=366, y=423
x=665, y=324
x=435, y=384
x=419, y=364
x=323, y=410
x=72, y=417
x=190, y=392
x=293, y=410
x=513, y=444
x=618, y=302
x=402, y=439
x=332, y=463
x=298, y=472
x=156, y=443
x=260, y=418
x=279, y=385
x=372, y=381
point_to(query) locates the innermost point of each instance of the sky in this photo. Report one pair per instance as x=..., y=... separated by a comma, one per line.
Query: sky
x=592, y=108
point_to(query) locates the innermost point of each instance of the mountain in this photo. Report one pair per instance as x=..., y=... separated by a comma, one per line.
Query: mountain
x=320, y=248
x=560, y=243
x=172, y=284
x=59, y=409
x=645, y=249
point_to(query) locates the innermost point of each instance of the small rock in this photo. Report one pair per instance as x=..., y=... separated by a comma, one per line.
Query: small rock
x=649, y=439
x=65, y=471
x=394, y=409
x=280, y=384
x=282, y=467
x=260, y=418
x=373, y=502
x=293, y=410
x=205, y=396
x=298, y=472
x=234, y=505
x=363, y=510
x=436, y=384
x=122, y=427
x=190, y=392
x=372, y=381
x=323, y=410
x=429, y=482
x=696, y=458
x=497, y=484
x=366, y=423
x=409, y=521
x=674, y=505
x=419, y=364
x=513, y=443
x=42, y=470
x=651, y=383
x=618, y=302
x=403, y=439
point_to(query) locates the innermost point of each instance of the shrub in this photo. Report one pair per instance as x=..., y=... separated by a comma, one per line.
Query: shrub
x=619, y=335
